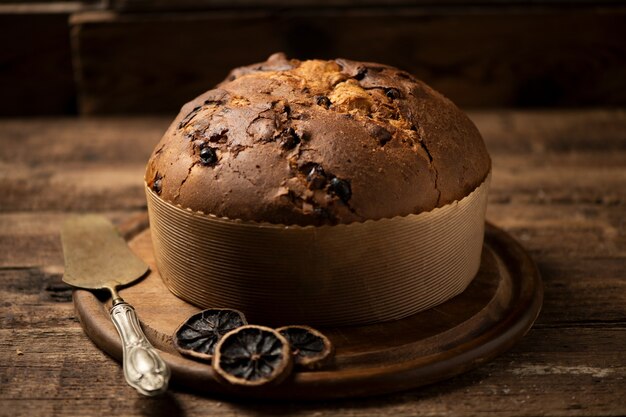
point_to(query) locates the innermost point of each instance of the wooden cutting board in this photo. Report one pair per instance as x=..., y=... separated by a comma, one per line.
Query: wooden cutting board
x=495, y=311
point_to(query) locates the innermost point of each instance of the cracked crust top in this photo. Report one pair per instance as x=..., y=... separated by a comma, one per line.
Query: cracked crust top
x=318, y=142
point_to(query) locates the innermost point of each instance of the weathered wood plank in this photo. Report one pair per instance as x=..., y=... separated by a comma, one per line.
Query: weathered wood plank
x=75, y=187
x=31, y=240
x=60, y=373
x=552, y=131
x=69, y=140
x=572, y=178
x=564, y=231
x=132, y=63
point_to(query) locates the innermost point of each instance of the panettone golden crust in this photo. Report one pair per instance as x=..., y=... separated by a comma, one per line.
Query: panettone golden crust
x=318, y=142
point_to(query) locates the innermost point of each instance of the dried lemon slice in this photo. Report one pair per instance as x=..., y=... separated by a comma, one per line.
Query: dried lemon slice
x=198, y=335
x=310, y=348
x=253, y=355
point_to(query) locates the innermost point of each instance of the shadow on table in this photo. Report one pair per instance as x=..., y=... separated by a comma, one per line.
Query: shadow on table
x=168, y=405
x=278, y=408
x=165, y=405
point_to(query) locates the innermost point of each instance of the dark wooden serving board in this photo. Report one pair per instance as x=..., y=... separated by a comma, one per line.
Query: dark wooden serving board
x=495, y=311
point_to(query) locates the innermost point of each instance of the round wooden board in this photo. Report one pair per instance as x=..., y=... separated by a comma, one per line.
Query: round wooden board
x=495, y=311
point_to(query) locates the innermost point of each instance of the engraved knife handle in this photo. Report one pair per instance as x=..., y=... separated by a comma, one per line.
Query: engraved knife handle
x=143, y=367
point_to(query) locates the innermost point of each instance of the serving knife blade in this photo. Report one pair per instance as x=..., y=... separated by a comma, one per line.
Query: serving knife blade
x=97, y=257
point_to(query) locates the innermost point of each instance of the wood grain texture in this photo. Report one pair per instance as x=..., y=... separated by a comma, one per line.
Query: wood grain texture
x=558, y=187
x=153, y=62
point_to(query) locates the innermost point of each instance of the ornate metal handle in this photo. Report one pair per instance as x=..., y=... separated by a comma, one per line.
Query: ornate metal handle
x=143, y=367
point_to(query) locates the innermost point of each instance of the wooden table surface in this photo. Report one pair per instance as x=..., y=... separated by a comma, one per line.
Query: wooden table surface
x=559, y=187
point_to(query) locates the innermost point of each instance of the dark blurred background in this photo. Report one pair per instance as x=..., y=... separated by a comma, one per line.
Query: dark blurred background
x=151, y=56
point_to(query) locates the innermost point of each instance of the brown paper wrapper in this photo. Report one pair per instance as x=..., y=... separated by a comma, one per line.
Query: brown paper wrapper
x=357, y=273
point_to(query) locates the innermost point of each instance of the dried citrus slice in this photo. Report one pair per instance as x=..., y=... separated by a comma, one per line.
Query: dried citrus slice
x=309, y=347
x=253, y=355
x=199, y=334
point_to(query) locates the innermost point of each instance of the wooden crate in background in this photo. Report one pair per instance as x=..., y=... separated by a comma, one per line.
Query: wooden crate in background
x=151, y=56
x=36, y=75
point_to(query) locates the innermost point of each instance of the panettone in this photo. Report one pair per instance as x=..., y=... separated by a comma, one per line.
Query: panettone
x=318, y=192
x=318, y=142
